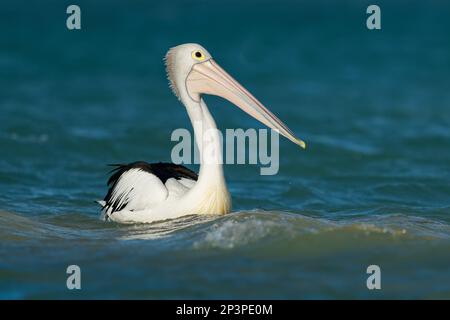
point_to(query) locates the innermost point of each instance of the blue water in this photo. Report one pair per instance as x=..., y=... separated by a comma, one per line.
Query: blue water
x=373, y=186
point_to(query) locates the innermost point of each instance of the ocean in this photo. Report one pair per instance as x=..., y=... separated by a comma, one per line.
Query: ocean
x=372, y=187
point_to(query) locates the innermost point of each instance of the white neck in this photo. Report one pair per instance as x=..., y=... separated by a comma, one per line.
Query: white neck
x=211, y=182
x=208, y=142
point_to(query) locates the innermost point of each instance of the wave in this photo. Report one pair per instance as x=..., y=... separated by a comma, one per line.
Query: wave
x=238, y=229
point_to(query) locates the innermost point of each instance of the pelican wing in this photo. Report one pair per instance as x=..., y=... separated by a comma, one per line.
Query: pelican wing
x=139, y=186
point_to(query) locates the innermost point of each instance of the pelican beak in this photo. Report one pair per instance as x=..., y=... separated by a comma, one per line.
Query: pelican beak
x=209, y=78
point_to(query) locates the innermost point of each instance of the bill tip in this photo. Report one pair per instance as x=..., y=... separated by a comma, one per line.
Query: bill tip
x=301, y=143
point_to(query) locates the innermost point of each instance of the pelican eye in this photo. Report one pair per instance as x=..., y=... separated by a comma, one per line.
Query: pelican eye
x=198, y=55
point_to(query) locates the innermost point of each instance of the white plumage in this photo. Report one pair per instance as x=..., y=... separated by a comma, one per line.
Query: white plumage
x=137, y=190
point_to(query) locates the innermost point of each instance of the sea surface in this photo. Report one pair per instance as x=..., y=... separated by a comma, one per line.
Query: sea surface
x=372, y=188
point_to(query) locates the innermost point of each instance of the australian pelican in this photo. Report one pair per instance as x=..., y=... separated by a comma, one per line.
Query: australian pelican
x=147, y=192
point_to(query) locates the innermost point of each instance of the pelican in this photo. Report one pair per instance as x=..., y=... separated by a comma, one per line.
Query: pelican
x=141, y=192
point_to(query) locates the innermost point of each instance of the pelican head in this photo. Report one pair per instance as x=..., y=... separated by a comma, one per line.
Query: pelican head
x=192, y=72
